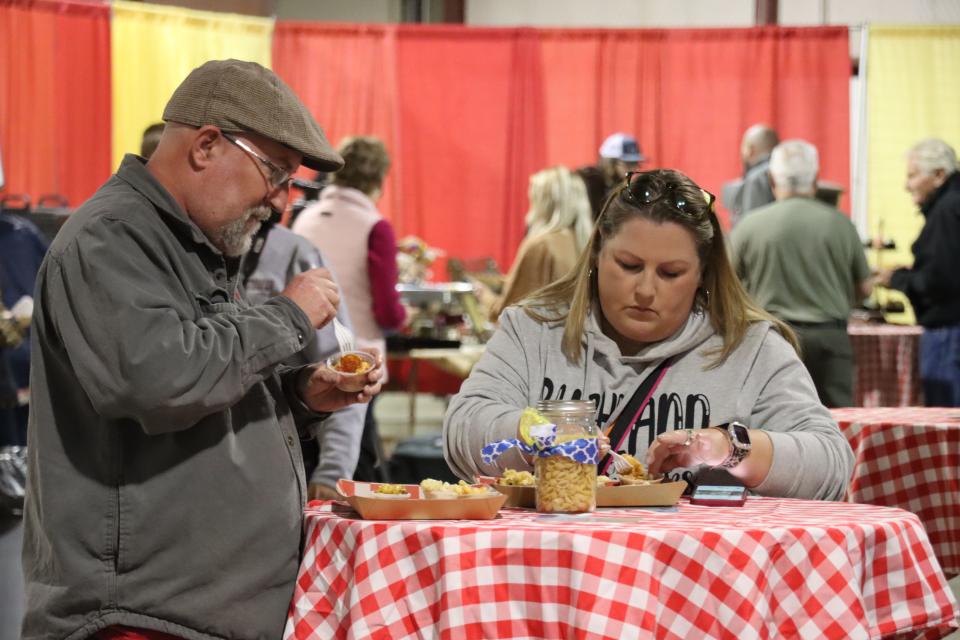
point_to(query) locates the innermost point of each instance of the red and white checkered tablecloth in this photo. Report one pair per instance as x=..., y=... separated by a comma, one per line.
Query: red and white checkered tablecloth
x=885, y=365
x=909, y=457
x=773, y=568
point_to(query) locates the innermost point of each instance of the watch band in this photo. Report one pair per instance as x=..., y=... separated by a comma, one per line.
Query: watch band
x=737, y=454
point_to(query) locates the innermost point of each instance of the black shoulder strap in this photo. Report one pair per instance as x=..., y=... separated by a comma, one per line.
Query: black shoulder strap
x=625, y=421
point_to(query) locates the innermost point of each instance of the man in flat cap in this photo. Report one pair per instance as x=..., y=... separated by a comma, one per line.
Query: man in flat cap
x=165, y=477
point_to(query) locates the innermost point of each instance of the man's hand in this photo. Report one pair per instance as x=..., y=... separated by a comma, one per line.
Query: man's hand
x=322, y=492
x=317, y=386
x=316, y=293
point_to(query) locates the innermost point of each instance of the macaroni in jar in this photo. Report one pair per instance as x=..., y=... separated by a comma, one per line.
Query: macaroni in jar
x=565, y=485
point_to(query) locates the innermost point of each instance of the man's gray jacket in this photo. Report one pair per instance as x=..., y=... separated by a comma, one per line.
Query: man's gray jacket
x=165, y=481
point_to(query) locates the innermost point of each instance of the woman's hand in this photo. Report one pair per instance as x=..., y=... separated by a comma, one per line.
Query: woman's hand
x=686, y=448
x=603, y=444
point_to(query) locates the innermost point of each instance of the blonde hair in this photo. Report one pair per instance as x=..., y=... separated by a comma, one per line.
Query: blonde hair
x=558, y=200
x=571, y=298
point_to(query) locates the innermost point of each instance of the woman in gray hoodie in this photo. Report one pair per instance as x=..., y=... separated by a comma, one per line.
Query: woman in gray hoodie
x=654, y=294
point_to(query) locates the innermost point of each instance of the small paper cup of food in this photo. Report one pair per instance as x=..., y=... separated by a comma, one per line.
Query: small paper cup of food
x=352, y=367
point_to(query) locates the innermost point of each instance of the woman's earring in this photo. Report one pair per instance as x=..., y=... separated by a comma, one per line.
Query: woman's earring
x=703, y=299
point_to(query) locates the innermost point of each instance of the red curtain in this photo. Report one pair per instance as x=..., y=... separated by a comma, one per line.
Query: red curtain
x=469, y=113
x=54, y=97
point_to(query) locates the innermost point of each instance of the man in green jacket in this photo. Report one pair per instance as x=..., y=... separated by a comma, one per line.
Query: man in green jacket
x=803, y=261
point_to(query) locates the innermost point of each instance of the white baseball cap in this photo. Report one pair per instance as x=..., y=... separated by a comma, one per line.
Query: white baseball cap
x=621, y=147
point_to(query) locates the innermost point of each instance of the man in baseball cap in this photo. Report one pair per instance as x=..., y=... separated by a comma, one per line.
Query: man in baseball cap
x=622, y=147
x=169, y=498
x=619, y=154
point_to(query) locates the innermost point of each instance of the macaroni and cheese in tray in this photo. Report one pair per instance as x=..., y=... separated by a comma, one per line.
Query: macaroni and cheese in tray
x=440, y=501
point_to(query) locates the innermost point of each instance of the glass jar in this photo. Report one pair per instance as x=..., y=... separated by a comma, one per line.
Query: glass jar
x=563, y=485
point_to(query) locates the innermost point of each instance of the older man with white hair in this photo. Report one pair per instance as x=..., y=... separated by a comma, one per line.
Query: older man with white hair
x=802, y=260
x=932, y=284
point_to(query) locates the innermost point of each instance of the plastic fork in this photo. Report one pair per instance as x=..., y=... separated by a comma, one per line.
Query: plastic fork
x=344, y=336
x=620, y=464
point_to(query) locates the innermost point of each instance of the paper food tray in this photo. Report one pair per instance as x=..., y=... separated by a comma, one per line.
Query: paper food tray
x=361, y=496
x=658, y=494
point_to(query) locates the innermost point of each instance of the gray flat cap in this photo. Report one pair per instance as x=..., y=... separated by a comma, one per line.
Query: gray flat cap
x=237, y=96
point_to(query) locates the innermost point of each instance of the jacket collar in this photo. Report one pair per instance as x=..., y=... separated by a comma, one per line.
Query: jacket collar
x=134, y=172
x=952, y=183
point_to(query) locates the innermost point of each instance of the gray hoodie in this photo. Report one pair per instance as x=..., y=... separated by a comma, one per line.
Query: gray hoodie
x=762, y=384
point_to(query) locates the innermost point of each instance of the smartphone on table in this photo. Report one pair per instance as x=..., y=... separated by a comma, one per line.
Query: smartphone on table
x=713, y=495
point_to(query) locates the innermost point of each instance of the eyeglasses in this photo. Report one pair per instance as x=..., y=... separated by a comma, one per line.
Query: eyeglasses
x=641, y=190
x=278, y=177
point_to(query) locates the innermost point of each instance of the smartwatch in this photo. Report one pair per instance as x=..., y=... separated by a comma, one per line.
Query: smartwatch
x=738, y=435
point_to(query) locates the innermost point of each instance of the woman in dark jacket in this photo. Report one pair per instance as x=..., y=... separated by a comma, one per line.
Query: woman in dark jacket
x=931, y=284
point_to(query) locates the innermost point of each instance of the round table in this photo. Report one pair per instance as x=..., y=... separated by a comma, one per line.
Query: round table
x=886, y=369
x=909, y=457
x=772, y=568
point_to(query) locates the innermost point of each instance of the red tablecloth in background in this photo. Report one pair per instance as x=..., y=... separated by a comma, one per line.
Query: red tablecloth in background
x=909, y=457
x=885, y=365
x=428, y=377
x=772, y=568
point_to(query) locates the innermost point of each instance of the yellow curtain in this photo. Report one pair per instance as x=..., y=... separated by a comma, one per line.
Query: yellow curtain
x=912, y=93
x=154, y=48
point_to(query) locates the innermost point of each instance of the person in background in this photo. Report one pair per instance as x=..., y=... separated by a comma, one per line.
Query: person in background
x=150, y=139
x=166, y=489
x=619, y=153
x=332, y=451
x=654, y=294
x=932, y=284
x=803, y=261
x=11, y=525
x=22, y=248
x=558, y=227
x=362, y=248
x=753, y=190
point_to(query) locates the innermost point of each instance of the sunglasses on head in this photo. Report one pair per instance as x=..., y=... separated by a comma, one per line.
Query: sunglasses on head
x=643, y=189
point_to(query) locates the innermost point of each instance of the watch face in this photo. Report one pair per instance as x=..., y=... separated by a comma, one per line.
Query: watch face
x=740, y=433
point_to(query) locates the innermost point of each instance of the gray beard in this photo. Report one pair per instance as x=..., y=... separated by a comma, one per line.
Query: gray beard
x=234, y=239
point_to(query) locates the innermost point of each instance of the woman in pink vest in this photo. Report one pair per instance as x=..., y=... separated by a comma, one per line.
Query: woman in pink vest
x=361, y=249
